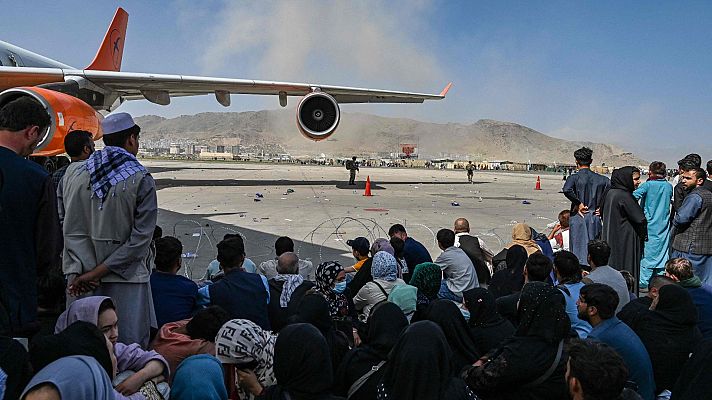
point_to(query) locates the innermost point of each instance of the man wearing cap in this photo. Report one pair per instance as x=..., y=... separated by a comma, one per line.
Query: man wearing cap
x=360, y=248
x=108, y=208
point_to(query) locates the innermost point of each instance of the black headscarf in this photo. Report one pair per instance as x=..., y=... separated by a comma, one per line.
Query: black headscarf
x=385, y=324
x=621, y=178
x=301, y=364
x=314, y=309
x=482, y=307
x=447, y=315
x=675, y=305
x=15, y=361
x=419, y=364
x=694, y=382
x=79, y=339
x=488, y=328
x=510, y=280
x=542, y=313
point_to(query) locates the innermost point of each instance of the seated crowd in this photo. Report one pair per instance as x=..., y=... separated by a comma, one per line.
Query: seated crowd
x=533, y=321
x=543, y=328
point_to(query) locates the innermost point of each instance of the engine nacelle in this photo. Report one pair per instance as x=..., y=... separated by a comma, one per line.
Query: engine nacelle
x=318, y=116
x=66, y=112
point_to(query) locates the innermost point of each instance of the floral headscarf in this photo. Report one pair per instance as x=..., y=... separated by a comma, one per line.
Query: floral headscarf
x=241, y=341
x=384, y=267
x=326, y=274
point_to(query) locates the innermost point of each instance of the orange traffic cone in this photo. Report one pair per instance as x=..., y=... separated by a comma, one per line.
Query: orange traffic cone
x=368, y=187
x=538, y=183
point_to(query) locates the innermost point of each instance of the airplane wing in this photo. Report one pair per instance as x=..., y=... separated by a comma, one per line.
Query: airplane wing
x=158, y=88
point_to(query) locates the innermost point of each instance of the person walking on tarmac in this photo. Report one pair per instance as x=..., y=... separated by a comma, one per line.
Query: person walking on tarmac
x=352, y=166
x=470, y=171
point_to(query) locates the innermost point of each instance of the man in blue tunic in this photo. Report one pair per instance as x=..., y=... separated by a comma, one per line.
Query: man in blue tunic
x=585, y=190
x=655, y=196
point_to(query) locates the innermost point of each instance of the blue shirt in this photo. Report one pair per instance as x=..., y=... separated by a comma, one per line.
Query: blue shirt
x=582, y=328
x=702, y=297
x=214, y=267
x=174, y=297
x=627, y=344
x=415, y=253
x=204, y=293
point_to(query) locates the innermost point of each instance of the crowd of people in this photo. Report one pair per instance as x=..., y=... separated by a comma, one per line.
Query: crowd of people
x=614, y=303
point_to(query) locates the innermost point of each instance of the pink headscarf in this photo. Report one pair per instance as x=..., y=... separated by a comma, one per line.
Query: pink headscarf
x=85, y=309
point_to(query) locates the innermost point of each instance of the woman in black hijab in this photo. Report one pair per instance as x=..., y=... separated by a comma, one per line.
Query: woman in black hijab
x=301, y=365
x=488, y=328
x=419, y=367
x=531, y=364
x=79, y=339
x=694, y=382
x=385, y=324
x=15, y=362
x=314, y=309
x=511, y=279
x=447, y=315
x=624, y=223
x=669, y=332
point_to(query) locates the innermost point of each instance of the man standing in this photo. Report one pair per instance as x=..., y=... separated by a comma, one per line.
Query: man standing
x=108, y=208
x=352, y=166
x=79, y=146
x=476, y=250
x=708, y=182
x=470, y=171
x=693, y=224
x=458, y=272
x=655, y=196
x=596, y=305
x=585, y=190
x=29, y=226
x=413, y=251
x=689, y=162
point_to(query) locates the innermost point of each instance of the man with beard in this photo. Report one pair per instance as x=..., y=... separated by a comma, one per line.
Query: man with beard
x=597, y=305
x=28, y=211
x=693, y=224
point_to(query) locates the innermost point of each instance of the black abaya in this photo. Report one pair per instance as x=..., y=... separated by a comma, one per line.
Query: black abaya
x=624, y=223
x=385, y=324
x=488, y=327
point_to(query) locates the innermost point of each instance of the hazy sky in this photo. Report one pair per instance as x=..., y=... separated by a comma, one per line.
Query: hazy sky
x=633, y=73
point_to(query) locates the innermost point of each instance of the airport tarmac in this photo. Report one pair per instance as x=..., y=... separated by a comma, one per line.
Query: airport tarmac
x=202, y=201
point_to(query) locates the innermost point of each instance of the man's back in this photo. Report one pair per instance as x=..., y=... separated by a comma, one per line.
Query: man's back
x=415, y=253
x=279, y=315
x=587, y=186
x=459, y=273
x=625, y=342
x=174, y=297
x=702, y=297
x=471, y=246
x=243, y=295
x=95, y=229
x=613, y=278
x=23, y=185
x=269, y=269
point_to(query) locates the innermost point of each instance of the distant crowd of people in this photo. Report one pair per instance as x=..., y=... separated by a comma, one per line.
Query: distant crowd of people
x=614, y=302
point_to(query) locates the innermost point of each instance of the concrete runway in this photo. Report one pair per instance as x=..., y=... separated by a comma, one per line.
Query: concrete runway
x=202, y=201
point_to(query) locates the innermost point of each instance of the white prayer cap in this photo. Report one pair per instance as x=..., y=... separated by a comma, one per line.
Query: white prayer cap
x=117, y=122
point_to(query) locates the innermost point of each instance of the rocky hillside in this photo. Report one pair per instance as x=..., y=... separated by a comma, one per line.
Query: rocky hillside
x=363, y=133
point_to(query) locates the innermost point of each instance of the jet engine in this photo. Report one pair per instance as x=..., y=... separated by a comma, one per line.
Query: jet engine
x=67, y=114
x=318, y=116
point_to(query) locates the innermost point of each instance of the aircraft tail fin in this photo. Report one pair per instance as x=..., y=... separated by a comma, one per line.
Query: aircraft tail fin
x=108, y=57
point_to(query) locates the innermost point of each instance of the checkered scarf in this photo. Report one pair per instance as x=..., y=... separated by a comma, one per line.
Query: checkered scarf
x=109, y=167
